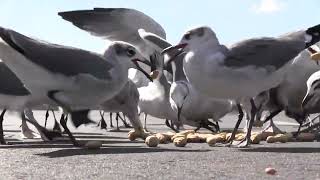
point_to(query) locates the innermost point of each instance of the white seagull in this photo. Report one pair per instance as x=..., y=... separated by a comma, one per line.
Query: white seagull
x=289, y=94
x=118, y=24
x=184, y=99
x=242, y=71
x=15, y=97
x=75, y=79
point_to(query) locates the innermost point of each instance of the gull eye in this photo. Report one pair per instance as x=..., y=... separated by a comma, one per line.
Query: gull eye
x=187, y=36
x=131, y=52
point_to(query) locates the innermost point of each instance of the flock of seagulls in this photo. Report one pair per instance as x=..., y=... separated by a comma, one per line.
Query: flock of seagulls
x=195, y=83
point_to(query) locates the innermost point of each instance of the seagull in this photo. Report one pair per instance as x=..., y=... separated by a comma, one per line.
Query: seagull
x=243, y=70
x=289, y=94
x=183, y=97
x=15, y=97
x=154, y=98
x=126, y=101
x=74, y=79
x=119, y=24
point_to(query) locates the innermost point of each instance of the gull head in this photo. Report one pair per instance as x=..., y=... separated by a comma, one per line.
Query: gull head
x=197, y=38
x=127, y=55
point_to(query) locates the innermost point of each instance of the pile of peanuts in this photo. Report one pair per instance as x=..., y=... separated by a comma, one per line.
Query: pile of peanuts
x=190, y=136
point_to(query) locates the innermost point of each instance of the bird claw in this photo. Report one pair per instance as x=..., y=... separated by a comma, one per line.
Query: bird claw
x=244, y=143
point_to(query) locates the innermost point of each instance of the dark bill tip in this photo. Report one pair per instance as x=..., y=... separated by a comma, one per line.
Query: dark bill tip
x=135, y=61
x=177, y=47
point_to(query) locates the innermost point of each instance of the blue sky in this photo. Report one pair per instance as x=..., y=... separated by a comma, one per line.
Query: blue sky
x=232, y=20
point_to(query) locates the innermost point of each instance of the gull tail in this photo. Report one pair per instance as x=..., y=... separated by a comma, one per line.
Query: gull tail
x=314, y=32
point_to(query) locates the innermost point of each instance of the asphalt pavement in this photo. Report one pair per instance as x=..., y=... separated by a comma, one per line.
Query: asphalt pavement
x=120, y=158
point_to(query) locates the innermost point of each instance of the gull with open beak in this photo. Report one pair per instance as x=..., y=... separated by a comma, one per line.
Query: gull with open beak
x=242, y=71
x=75, y=79
x=184, y=99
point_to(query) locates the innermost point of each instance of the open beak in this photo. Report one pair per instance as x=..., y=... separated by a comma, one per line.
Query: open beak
x=306, y=100
x=174, y=51
x=135, y=61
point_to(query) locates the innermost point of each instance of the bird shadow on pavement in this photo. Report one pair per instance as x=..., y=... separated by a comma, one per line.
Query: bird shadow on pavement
x=283, y=149
x=56, y=144
x=111, y=150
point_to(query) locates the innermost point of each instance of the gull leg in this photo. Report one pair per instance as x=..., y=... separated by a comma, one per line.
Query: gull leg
x=216, y=126
x=124, y=121
x=246, y=142
x=45, y=134
x=111, y=125
x=117, y=120
x=240, y=117
x=2, y=141
x=299, y=129
x=145, y=122
x=46, y=120
x=56, y=126
x=63, y=122
x=26, y=131
x=272, y=128
x=171, y=126
x=102, y=124
x=273, y=114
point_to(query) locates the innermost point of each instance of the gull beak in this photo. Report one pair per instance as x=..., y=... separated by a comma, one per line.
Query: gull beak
x=174, y=51
x=154, y=74
x=314, y=54
x=135, y=62
x=172, y=48
x=306, y=100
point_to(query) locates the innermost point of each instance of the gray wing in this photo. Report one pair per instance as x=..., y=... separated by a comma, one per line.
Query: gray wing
x=263, y=52
x=115, y=24
x=10, y=83
x=155, y=40
x=56, y=58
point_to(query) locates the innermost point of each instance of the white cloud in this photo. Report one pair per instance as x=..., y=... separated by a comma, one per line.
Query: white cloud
x=268, y=6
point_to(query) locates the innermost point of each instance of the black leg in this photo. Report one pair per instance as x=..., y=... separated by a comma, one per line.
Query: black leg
x=56, y=127
x=102, y=123
x=63, y=123
x=47, y=116
x=216, y=126
x=124, y=121
x=2, y=141
x=197, y=129
x=299, y=129
x=145, y=121
x=117, y=121
x=111, y=125
x=50, y=135
x=273, y=114
x=240, y=116
x=171, y=126
x=247, y=139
